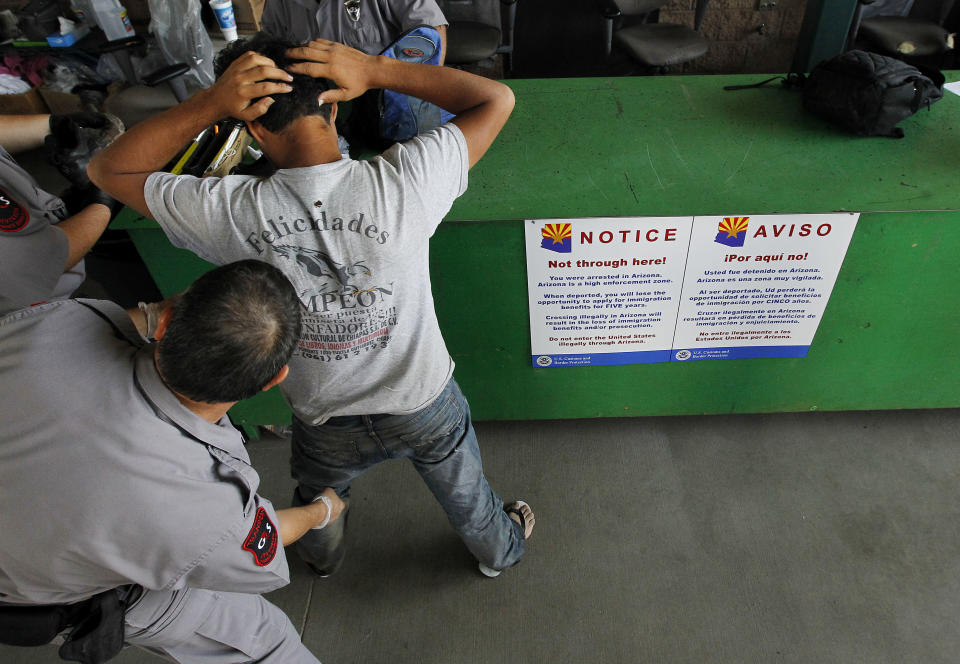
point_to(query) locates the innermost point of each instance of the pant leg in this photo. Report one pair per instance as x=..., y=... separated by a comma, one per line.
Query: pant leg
x=195, y=626
x=329, y=455
x=443, y=448
x=324, y=548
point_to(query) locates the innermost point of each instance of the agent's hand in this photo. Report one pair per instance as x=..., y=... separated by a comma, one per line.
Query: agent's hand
x=95, y=195
x=78, y=198
x=336, y=505
x=243, y=90
x=352, y=71
x=74, y=139
x=70, y=129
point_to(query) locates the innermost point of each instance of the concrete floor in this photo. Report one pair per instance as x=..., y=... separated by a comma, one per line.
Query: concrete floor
x=790, y=538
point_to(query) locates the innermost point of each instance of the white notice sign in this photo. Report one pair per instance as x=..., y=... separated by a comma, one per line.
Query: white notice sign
x=604, y=291
x=630, y=290
x=758, y=286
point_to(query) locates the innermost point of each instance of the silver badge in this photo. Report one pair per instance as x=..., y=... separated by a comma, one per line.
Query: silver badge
x=353, y=9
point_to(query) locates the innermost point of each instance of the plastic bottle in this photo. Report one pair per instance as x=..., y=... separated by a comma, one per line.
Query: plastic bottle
x=112, y=18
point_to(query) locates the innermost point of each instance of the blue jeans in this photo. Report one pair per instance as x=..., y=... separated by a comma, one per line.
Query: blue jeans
x=439, y=441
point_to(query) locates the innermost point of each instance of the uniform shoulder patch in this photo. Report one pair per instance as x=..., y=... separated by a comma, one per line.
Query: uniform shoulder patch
x=263, y=539
x=13, y=216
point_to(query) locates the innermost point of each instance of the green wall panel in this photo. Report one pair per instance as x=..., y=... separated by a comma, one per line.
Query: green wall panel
x=888, y=338
x=681, y=146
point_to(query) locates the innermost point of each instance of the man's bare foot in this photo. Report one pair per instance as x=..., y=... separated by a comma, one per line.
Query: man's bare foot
x=521, y=513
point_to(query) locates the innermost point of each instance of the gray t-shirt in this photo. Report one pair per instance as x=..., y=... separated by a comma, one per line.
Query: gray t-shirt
x=378, y=23
x=106, y=479
x=353, y=238
x=32, y=250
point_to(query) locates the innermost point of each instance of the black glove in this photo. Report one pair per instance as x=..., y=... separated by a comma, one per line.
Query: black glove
x=95, y=195
x=78, y=198
x=68, y=129
x=74, y=139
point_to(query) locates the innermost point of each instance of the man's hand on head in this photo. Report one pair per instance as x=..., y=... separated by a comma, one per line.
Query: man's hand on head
x=243, y=90
x=352, y=70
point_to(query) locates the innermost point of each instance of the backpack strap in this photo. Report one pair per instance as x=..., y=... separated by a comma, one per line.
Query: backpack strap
x=789, y=81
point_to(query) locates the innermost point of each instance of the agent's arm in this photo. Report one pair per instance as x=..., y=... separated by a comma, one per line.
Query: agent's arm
x=294, y=522
x=23, y=132
x=27, y=132
x=482, y=105
x=122, y=169
x=83, y=230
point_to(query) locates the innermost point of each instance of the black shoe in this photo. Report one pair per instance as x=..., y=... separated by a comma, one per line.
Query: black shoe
x=322, y=573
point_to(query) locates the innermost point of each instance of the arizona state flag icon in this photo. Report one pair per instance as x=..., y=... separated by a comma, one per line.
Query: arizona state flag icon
x=733, y=231
x=556, y=237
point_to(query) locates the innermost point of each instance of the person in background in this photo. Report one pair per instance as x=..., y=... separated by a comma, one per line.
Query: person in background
x=399, y=28
x=42, y=243
x=366, y=25
x=130, y=509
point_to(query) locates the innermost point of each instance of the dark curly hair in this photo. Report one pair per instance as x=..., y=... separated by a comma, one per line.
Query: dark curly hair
x=288, y=106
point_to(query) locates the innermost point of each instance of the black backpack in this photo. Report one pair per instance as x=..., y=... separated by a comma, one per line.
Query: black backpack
x=868, y=93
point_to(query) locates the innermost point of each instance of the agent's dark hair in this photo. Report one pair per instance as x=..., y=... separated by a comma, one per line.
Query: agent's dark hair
x=287, y=106
x=231, y=333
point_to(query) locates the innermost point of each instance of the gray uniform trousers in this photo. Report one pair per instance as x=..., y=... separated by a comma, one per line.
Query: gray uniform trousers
x=211, y=627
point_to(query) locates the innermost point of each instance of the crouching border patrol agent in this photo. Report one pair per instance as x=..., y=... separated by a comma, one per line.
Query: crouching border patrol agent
x=130, y=509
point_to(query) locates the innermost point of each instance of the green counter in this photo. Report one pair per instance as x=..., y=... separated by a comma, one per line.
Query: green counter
x=681, y=146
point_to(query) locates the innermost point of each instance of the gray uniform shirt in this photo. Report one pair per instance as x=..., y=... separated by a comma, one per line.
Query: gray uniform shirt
x=353, y=238
x=374, y=26
x=107, y=479
x=33, y=250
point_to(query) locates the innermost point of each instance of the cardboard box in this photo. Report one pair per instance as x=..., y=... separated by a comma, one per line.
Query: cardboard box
x=60, y=102
x=23, y=103
x=248, y=13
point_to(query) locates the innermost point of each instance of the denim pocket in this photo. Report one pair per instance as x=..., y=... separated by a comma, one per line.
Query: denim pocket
x=435, y=432
x=319, y=444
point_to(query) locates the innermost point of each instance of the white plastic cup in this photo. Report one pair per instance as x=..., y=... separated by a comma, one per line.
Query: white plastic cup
x=223, y=9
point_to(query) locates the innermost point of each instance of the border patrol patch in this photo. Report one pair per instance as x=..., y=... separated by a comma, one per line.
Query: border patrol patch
x=263, y=539
x=13, y=216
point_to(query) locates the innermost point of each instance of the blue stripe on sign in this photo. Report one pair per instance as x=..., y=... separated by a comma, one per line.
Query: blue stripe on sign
x=601, y=359
x=739, y=352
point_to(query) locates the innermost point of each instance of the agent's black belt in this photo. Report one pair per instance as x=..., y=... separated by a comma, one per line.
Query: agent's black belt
x=97, y=625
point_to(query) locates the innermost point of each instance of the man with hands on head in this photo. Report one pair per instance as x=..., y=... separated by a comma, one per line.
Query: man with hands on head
x=151, y=531
x=371, y=378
